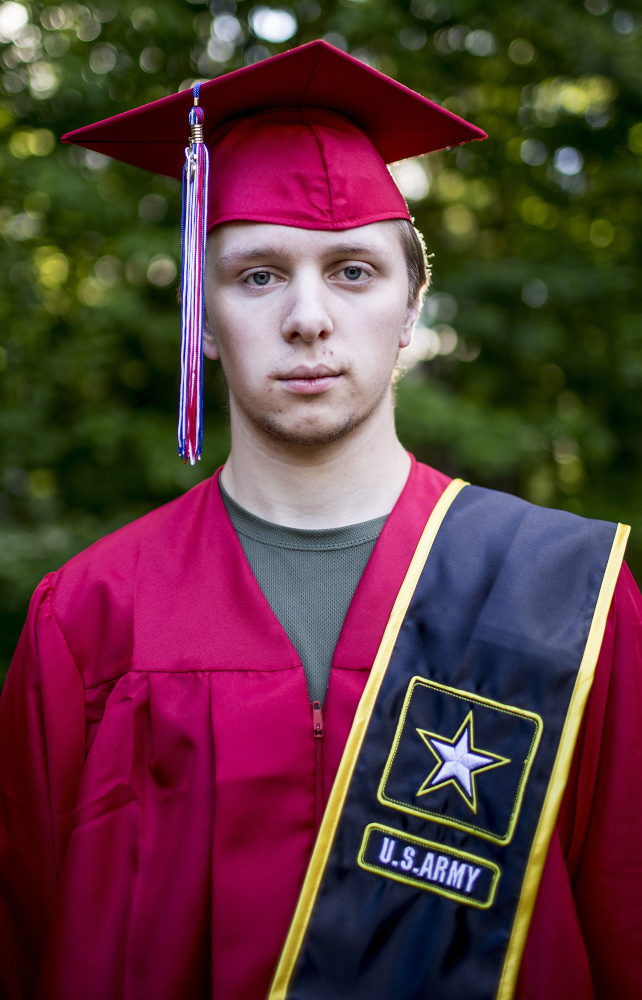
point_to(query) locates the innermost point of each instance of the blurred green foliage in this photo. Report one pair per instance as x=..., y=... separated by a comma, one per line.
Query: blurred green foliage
x=526, y=371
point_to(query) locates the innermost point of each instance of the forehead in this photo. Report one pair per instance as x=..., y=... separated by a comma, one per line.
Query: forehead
x=239, y=240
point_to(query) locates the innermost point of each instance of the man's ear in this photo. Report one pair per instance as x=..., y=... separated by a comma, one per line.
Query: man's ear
x=411, y=316
x=210, y=349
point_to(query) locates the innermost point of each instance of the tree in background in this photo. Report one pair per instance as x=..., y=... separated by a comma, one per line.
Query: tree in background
x=526, y=368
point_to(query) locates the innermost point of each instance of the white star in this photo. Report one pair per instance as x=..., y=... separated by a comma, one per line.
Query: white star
x=458, y=761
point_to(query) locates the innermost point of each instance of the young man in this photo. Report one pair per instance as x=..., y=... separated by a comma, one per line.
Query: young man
x=325, y=623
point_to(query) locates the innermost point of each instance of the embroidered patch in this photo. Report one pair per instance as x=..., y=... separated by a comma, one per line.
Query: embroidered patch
x=423, y=863
x=460, y=759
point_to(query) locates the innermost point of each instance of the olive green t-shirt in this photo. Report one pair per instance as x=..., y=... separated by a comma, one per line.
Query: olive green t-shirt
x=308, y=577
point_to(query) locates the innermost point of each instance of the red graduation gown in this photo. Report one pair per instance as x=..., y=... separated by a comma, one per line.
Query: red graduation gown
x=157, y=798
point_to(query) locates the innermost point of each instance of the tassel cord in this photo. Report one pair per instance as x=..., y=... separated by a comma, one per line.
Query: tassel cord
x=193, y=239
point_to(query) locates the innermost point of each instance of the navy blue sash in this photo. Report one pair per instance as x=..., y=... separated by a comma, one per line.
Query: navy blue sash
x=426, y=869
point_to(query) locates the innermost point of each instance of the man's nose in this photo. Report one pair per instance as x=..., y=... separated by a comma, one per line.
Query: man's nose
x=308, y=316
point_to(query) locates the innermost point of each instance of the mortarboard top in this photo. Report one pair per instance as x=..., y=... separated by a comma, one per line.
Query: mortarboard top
x=258, y=162
x=399, y=122
x=300, y=139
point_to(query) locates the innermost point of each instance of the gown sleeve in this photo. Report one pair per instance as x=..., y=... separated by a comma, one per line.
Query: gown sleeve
x=42, y=751
x=585, y=938
x=606, y=863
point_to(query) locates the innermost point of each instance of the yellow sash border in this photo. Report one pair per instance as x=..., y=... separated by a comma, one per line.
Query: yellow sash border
x=561, y=768
x=334, y=808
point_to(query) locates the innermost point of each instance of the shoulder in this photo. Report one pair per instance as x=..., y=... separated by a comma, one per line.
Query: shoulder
x=92, y=598
x=488, y=508
x=500, y=532
x=555, y=534
x=117, y=553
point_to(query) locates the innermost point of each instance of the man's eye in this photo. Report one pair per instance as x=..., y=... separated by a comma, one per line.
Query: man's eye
x=259, y=278
x=353, y=273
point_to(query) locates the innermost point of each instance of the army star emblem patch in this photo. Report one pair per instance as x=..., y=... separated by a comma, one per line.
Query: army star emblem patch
x=458, y=761
x=461, y=759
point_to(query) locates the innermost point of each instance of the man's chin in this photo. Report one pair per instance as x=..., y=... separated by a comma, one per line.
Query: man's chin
x=308, y=437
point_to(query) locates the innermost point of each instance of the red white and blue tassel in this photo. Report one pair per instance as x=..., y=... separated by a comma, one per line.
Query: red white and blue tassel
x=193, y=237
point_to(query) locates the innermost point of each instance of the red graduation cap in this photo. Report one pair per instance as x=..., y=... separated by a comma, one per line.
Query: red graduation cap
x=300, y=139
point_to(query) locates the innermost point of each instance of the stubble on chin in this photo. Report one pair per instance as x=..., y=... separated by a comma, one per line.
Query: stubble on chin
x=280, y=428
x=313, y=437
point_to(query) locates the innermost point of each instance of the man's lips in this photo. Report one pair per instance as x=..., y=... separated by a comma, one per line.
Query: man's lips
x=309, y=381
x=303, y=371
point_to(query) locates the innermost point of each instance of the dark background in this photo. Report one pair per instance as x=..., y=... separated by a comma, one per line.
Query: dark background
x=530, y=354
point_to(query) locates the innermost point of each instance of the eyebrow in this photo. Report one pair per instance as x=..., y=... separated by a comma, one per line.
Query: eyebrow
x=272, y=250
x=238, y=256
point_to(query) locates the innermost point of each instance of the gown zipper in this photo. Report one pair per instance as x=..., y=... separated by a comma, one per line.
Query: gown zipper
x=317, y=732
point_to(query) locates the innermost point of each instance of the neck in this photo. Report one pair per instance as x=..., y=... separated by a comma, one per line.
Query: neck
x=355, y=479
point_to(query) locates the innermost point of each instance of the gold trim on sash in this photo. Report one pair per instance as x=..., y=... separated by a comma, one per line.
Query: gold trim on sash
x=321, y=851
x=561, y=768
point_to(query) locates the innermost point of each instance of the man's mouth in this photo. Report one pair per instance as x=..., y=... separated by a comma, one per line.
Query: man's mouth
x=309, y=380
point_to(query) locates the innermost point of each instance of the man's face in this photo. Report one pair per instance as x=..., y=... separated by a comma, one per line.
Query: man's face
x=307, y=325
